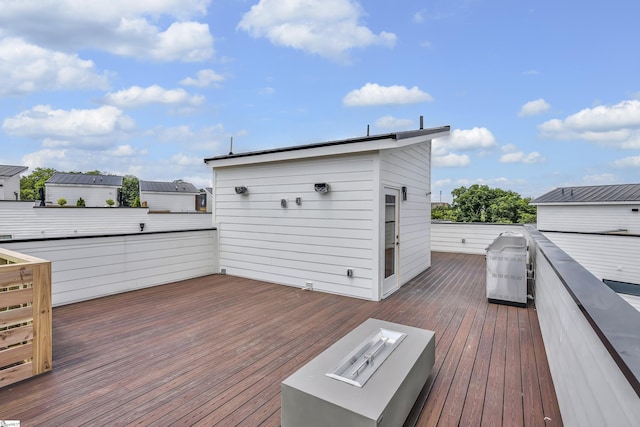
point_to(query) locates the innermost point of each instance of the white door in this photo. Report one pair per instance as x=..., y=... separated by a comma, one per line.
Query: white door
x=391, y=240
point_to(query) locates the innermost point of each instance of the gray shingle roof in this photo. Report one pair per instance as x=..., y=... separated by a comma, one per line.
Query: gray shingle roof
x=168, y=187
x=85, y=179
x=591, y=194
x=9, y=171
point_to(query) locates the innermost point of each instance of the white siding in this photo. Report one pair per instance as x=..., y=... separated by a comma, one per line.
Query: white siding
x=93, y=195
x=605, y=256
x=315, y=241
x=591, y=389
x=448, y=236
x=173, y=202
x=410, y=167
x=21, y=220
x=86, y=268
x=589, y=218
x=9, y=186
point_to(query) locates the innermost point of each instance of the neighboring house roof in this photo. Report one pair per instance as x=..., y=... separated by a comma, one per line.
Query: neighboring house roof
x=85, y=179
x=7, y=171
x=435, y=132
x=591, y=194
x=168, y=187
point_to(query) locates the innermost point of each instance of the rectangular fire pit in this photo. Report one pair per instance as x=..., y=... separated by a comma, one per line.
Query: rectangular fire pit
x=370, y=377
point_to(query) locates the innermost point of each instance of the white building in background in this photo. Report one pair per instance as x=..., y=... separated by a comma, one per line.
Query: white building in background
x=599, y=226
x=169, y=196
x=350, y=217
x=10, y=181
x=95, y=190
x=590, y=209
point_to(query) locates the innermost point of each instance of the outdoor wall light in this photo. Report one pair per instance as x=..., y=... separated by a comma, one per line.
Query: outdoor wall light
x=242, y=190
x=321, y=187
x=283, y=203
x=142, y=226
x=404, y=193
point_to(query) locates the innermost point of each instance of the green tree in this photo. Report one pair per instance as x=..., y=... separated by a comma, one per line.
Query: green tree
x=479, y=203
x=30, y=184
x=443, y=213
x=130, y=191
x=471, y=204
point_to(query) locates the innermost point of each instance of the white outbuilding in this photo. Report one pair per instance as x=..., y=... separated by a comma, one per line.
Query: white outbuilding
x=10, y=181
x=176, y=196
x=590, y=209
x=349, y=217
x=95, y=190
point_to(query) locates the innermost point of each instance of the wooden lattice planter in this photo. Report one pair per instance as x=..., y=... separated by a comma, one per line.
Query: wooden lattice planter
x=25, y=317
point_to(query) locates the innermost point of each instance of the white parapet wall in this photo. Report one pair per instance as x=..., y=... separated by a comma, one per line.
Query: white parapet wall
x=90, y=267
x=23, y=220
x=467, y=237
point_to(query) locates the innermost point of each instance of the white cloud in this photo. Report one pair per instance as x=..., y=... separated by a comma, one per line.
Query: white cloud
x=418, y=17
x=182, y=159
x=451, y=160
x=599, y=179
x=374, y=94
x=521, y=157
x=81, y=128
x=464, y=140
x=137, y=96
x=26, y=68
x=46, y=158
x=329, y=28
x=267, y=91
x=442, y=182
x=616, y=125
x=513, y=155
x=627, y=162
x=533, y=108
x=207, y=139
x=127, y=151
x=204, y=78
x=121, y=27
x=183, y=41
x=444, y=149
x=390, y=122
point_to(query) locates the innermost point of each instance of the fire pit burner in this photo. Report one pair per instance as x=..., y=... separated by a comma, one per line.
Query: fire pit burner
x=366, y=358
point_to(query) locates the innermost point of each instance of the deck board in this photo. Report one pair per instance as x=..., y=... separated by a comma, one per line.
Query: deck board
x=214, y=350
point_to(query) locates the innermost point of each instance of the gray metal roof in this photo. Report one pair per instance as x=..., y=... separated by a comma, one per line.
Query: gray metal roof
x=591, y=194
x=396, y=136
x=85, y=179
x=168, y=187
x=9, y=171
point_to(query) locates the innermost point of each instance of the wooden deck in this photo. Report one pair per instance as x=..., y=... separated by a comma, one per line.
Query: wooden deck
x=213, y=351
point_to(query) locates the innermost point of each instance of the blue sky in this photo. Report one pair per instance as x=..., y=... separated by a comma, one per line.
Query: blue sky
x=538, y=94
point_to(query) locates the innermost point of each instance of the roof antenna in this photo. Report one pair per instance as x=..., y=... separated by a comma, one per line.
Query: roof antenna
x=367, y=130
x=421, y=122
x=231, y=146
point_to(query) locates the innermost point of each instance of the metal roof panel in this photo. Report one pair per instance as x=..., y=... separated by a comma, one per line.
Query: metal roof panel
x=85, y=179
x=9, y=171
x=168, y=187
x=591, y=194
